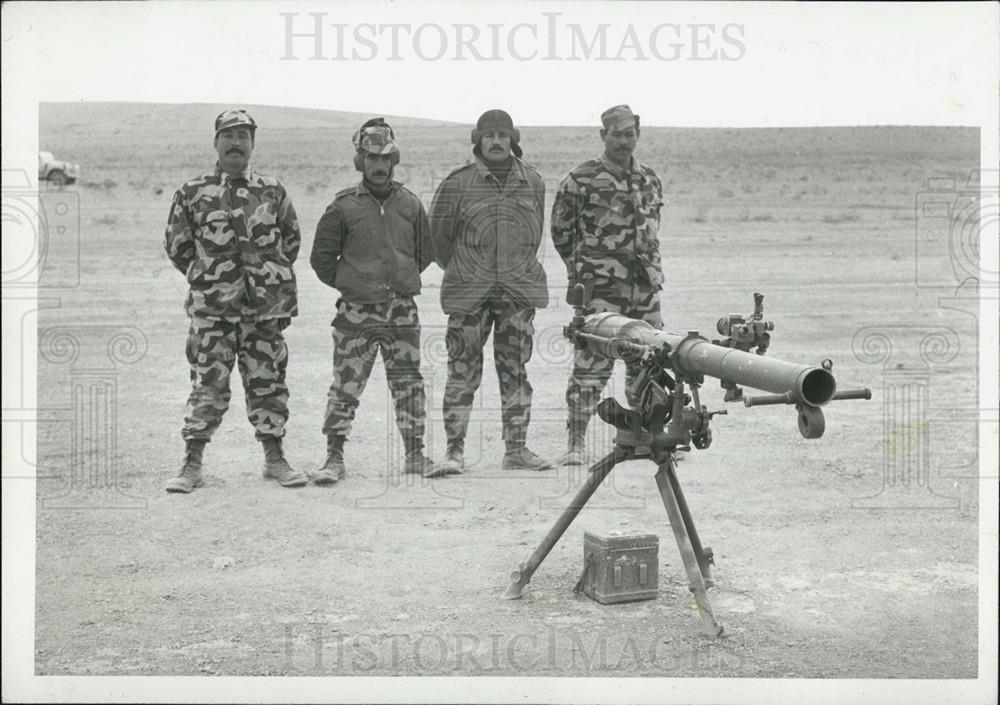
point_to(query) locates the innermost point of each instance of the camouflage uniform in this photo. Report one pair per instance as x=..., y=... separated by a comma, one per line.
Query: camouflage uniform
x=513, y=334
x=360, y=332
x=605, y=222
x=373, y=252
x=486, y=238
x=235, y=239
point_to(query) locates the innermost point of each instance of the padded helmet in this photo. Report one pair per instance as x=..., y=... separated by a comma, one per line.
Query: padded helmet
x=497, y=120
x=374, y=137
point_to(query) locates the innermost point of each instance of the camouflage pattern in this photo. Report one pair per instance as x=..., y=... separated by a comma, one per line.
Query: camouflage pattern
x=234, y=118
x=376, y=139
x=592, y=371
x=235, y=239
x=513, y=333
x=619, y=117
x=605, y=224
x=213, y=346
x=360, y=331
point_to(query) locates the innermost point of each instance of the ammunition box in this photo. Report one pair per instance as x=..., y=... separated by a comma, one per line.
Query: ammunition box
x=620, y=567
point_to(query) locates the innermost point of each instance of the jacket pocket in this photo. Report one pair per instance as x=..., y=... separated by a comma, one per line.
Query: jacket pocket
x=407, y=277
x=275, y=269
x=650, y=206
x=524, y=215
x=266, y=238
x=214, y=231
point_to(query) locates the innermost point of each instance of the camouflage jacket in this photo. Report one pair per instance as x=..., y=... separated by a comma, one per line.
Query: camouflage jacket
x=367, y=249
x=235, y=238
x=605, y=223
x=487, y=234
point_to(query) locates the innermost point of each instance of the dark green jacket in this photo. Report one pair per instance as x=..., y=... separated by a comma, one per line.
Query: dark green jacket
x=487, y=235
x=368, y=250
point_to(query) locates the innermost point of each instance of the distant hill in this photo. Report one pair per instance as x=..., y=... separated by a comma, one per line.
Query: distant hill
x=306, y=144
x=129, y=122
x=109, y=117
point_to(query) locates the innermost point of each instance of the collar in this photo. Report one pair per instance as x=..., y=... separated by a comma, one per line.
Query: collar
x=247, y=174
x=362, y=189
x=620, y=170
x=516, y=170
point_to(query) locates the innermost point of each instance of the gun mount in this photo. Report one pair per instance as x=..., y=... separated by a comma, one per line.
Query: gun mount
x=669, y=370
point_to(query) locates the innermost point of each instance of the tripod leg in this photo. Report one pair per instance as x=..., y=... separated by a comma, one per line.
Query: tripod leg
x=520, y=578
x=703, y=555
x=695, y=577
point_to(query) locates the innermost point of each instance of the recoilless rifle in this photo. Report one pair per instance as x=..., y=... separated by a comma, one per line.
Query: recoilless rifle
x=668, y=371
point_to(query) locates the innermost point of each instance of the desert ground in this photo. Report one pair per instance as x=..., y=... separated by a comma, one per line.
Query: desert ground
x=850, y=556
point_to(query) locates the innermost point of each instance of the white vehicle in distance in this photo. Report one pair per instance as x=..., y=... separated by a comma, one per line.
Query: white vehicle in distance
x=55, y=171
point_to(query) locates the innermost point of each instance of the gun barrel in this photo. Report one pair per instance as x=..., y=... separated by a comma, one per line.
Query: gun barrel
x=694, y=355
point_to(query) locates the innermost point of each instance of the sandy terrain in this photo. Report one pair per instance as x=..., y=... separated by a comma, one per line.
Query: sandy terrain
x=851, y=556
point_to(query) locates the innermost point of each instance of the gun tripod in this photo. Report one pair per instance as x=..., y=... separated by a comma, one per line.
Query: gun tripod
x=667, y=418
x=632, y=445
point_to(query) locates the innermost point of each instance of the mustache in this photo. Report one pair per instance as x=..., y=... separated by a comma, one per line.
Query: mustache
x=237, y=150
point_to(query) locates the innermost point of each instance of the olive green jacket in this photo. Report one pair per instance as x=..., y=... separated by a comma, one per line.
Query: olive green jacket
x=487, y=234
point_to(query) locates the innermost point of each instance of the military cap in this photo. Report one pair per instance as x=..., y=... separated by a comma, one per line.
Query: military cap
x=620, y=117
x=234, y=118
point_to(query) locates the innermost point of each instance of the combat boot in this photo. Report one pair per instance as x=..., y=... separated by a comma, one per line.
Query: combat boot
x=575, y=454
x=277, y=468
x=333, y=469
x=190, y=475
x=416, y=463
x=518, y=457
x=454, y=460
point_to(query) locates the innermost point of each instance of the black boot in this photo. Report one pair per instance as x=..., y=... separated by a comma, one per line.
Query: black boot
x=454, y=460
x=416, y=462
x=333, y=469
x=576, y=453
x=520, y=457
x=190, y=475
x=277, y=468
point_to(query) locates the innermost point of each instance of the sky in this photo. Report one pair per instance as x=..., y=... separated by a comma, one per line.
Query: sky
x=677, y=64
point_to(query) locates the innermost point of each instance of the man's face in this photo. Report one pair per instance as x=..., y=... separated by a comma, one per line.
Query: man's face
x=378, y=168
x=619, y=143
x=234, y=145
x=494, y=146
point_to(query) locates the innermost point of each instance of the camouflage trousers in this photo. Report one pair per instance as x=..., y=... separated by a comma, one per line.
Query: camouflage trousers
x=213, y=346
x=591, y=371
x=513, y=333
x=360, y=332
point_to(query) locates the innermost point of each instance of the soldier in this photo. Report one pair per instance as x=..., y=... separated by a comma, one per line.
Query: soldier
x=234, y=235
x=486, y=220
x=605, y=223
x=371, y=244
